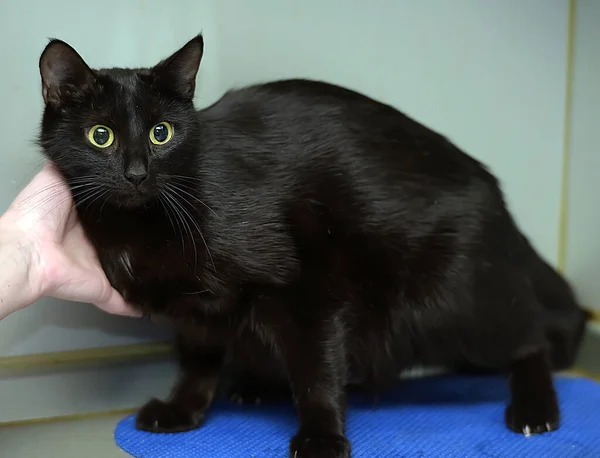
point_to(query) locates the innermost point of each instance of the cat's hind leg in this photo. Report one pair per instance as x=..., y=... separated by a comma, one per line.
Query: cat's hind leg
x=508, y=335
x=534, y=405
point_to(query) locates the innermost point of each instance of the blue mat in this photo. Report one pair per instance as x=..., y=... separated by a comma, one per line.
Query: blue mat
x=438, y=417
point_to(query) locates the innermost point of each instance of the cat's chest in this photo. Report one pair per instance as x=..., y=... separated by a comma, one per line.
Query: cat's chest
x=160, y=279
x=133, y=263
x=160, y=272
x=144, y=280
x=133, y=250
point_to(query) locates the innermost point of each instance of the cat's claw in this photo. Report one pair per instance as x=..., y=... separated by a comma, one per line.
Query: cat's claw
x=162, y=417
x=529, y=420
x=529, y=431
x=323, y=446
x=240, y=399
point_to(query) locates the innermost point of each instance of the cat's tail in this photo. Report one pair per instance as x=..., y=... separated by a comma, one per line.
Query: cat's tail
x=565, y=321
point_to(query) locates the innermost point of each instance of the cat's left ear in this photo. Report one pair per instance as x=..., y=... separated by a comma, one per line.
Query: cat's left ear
x=179, y=71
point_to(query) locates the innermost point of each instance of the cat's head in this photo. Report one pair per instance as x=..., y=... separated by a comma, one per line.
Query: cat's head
x=120, y=133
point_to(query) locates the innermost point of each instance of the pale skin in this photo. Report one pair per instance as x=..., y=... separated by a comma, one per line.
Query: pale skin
x=44, y=251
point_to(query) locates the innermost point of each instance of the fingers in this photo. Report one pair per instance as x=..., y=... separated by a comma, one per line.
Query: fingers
x=46, y=179
x=116, y=305
x=109, y=298
x=83, y=284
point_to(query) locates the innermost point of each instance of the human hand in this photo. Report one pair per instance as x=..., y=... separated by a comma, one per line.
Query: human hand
x=44, y=251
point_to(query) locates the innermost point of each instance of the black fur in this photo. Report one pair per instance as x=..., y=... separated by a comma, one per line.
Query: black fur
x=300, y=231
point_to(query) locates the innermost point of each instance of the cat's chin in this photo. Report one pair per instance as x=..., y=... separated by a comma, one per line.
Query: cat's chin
x=133, y=201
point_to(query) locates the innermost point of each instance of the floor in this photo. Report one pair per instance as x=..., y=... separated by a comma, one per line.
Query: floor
x=89, y=438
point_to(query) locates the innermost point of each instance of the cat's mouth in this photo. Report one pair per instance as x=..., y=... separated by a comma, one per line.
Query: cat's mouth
x=136, y=197
x=133, y=195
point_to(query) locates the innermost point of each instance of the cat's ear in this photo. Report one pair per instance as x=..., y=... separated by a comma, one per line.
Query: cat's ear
x=63, y=72
x=179, y=71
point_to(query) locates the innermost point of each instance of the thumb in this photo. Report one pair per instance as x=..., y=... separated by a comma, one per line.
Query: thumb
x=113, y=302
x=74, y=283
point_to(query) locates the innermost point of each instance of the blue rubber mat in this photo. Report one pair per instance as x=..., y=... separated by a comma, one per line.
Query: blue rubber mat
x=438, y=417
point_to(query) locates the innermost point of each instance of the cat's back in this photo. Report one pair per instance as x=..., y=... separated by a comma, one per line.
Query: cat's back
x=318, y=125
x=309, y=141
x=300, y=159
x=296, y=108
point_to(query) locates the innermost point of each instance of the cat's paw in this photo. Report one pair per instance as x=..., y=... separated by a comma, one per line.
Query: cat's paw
x=530, y=418
x=319, y=446
x=163, y=417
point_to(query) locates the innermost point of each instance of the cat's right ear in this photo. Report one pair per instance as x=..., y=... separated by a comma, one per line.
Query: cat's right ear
x=63, y=72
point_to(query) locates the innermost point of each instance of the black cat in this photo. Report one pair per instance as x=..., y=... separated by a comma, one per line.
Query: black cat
x=300, y=231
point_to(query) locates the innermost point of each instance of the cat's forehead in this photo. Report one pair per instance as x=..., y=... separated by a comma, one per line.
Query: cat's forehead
x=128, y=93
x=124, y=79
x=124, y=97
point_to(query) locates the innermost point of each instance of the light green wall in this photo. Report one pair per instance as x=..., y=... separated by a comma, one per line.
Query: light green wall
x=489, y=74
x=583, y=211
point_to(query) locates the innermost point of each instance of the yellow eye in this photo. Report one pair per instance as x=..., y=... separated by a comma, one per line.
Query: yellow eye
x=101, y=136
x=161, y=133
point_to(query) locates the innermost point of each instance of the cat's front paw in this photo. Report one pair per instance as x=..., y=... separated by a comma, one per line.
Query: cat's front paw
x=163, y=417
x=530, y=418
x=319, y=446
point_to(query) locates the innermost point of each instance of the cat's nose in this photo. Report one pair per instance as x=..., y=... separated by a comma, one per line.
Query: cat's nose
x=136, y=173
x=136, y=177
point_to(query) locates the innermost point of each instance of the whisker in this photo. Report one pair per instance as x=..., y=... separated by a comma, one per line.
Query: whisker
x=67, y=198
x=103, y=204
x=89, y=197
x=56, y=187
x=168, y=200
x=96, y=197
x=167, y=212
x=197, y=180
x=196, y=225
x=189, y=229
x=45, y=200
x=195, y=198
x=50, y=197
x=197, y=292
